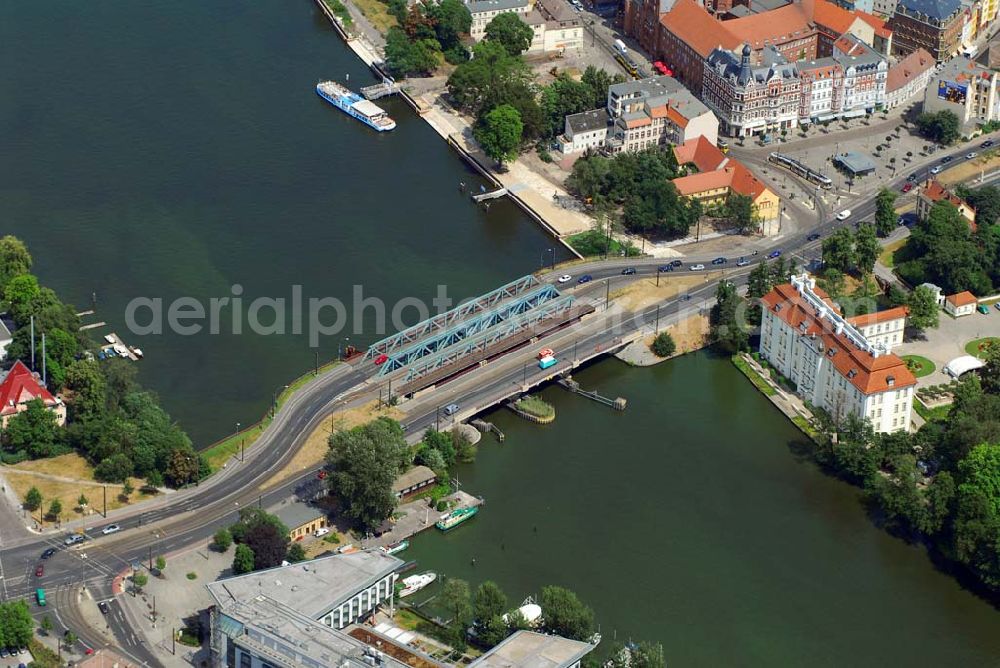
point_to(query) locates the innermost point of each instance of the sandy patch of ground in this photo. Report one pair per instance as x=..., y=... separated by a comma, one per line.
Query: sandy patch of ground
x=689, y=334
x=986, y=162
x=311, y=454
x=644, y=292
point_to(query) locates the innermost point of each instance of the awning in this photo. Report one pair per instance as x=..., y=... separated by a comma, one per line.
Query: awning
x=854, y=114
x=825, y=118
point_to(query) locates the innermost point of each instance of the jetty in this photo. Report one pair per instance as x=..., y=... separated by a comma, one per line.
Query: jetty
x=488, y=428
x=482, y=197
x=618, y=403
x=387, y=87
x=116, y=348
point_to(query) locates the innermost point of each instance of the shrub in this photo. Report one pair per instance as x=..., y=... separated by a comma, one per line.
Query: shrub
x=192, y=576
x=663, y=345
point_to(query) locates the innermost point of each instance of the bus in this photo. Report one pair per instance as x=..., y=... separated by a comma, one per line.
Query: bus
x=40, y=596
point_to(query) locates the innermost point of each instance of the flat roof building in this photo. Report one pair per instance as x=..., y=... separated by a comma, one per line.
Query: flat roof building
x=301, y=519
x=528, y=649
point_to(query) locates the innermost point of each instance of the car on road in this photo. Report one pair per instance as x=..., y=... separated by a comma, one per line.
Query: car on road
x=48, y=553
x=451, y=409
x=742, y=262
x=946, y=159
x=696, y=267
x=321, y=532
x=666, y=267
x=110, y=529
x=813, y=237
x=676, y=263
x=565, y=278
x=907, y=187
x=628, y=271
x=720, y=260
x=844, y=215
x=74, y=539
x=586, y=278
x=936, y=169
x=987, y=143
x=912, y=177
x=685, y=298
x=774, y=254
x=103, y=607
x=970, y=155
x=39, y=570
x=381, y=359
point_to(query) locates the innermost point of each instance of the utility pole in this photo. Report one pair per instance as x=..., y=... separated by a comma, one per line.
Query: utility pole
x=260, y=502
x=657, y=328
x=317, y=363
x=43, y=359
x=607, y=294
x=105, y=513
x=437, y=419
x=243, y=449
x=173, y=641
x=150, y=556
x=32, y=343
x=388, y=400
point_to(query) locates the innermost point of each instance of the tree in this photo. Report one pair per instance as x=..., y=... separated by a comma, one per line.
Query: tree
x=363, y=463
x=55, y=510
x=599, y=81
x=33, y=499
x=222, y=540
x=69, y=639
x=127, y=488
x=455, y=598
x=296, y=553
x=563, y=97
x=494, y=77
x=441, y=441
x=269, y=545
x=451, y=20
x=656, y=206
x=833, y=282
x=838, y=251
x=943, y=251
x=182, y=467
x=565, y=614
x=16, y=624
x=508, y=30
x=647, y=655
x=82, y=502
x=924, y=310
x=404, y=57
x=726, y=324
x=161, y=563
x=139, y=580
x=663, y=345
x=941, y=127
x=986, y=202
x=499, y=133
x=243, y=560
x=488, y=602
x=84, y=379
x=866, y=248
x=433, y=460
x=741, y=213
x=34, y=430
x=990, y=374
x=46, y=625
x=977, y=521
x=116, y=468
x=14, y=259
x=885, y=212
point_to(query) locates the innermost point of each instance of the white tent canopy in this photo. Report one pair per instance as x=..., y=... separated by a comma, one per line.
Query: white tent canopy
x=960, y=365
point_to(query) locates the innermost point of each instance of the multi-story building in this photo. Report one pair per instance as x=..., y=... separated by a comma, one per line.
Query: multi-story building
x=965, y=88
x=884, y=8
x=882, y=328
x=833, y=364
x=718, y=176
x=821, y=90
x=484, y=11
x=18, y=387
x=529, y=649
x=865, y=74
x=750, y=99
x=556, y=27
x=656, y=111
x=932, y=25
x=908, y=77
x=586, y=130
x=932, y=192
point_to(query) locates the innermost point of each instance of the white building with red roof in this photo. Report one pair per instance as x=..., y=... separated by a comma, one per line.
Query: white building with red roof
x=963, y=303
x=883, y=328
x=832, y=363
x=19, y=386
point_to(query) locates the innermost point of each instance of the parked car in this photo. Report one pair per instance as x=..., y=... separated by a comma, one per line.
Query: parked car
x=628, y=271
x=742, y=262
x=586, y=278
x=844, y=215
x=451, y=409
x=321, y=532
x=565, y=278
x=936, y=169
x=720, y=260
x=685, y=298
x=984, y=309
x=813, y=237
x=907, y=187
x=696, y=267
x=997, y=306
x=773, y=254
x=666, y=267
x=103, y=607
x=110, y=529
x=48, y=553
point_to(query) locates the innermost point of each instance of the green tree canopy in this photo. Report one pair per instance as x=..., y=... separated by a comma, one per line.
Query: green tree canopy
x=838, y=251
x=941, y=127
x=565, y=614
x=35, y=431
x=509, y=31
x=599, y=82
x=663, y=345
x=243, y=559
x=943, y=251
x=33, y=499
x=14, y=259
x=885, y=212
x=726, y=326
x=363, y=463
x=16, y=623
x=740, y=211
x=866, y=248
x=222, y=540
x=924, y=309
x=404, y=56
x=492, y=78
x=500, y=132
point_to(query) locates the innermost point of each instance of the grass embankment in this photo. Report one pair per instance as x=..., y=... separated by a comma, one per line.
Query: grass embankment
x=72, y=476
x=977, y=347
x=340, y=11
x=935, y=414
x=593, y=244
x=759, y=382
x=888, y=256
x=919, y=366
x=219, y=452
x=536, y=406
x=377, y=13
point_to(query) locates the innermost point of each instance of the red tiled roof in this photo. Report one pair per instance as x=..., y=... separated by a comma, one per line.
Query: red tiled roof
x=880, y=316
x=912, y=66
x=875, y=22
x=21, y=386
x=694, y=184
x=695, y=27
x=638, y=122
x=962, y=299
x=829, y=15
x=777, y=25
x=869, y=374
x=744, y=182
x=701, y=153
x=676, y=117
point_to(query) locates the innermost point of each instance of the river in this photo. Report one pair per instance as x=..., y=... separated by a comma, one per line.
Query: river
x=177, y=149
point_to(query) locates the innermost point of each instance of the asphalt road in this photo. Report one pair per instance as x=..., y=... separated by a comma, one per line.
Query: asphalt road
x=197, y=513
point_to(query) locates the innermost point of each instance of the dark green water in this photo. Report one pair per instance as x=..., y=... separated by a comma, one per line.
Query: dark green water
x=174, y=149
x=689, y=519
x=169, y=149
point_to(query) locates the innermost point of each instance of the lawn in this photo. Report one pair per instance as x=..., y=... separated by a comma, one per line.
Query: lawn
x=977, y=347
x=921, y=366
x=378, y=13
x=888, y=256
x=592, y=244
x=935, y=414
x=535, y=406
x=754, y=377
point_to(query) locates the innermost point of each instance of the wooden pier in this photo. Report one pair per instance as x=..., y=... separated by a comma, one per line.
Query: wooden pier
x=387, y=87
x=568, y=383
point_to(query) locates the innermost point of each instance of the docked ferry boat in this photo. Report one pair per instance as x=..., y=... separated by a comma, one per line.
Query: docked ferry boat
x=456, y=517
x=354, y=105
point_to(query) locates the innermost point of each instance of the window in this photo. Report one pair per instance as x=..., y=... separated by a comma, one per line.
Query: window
x=244, y=659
